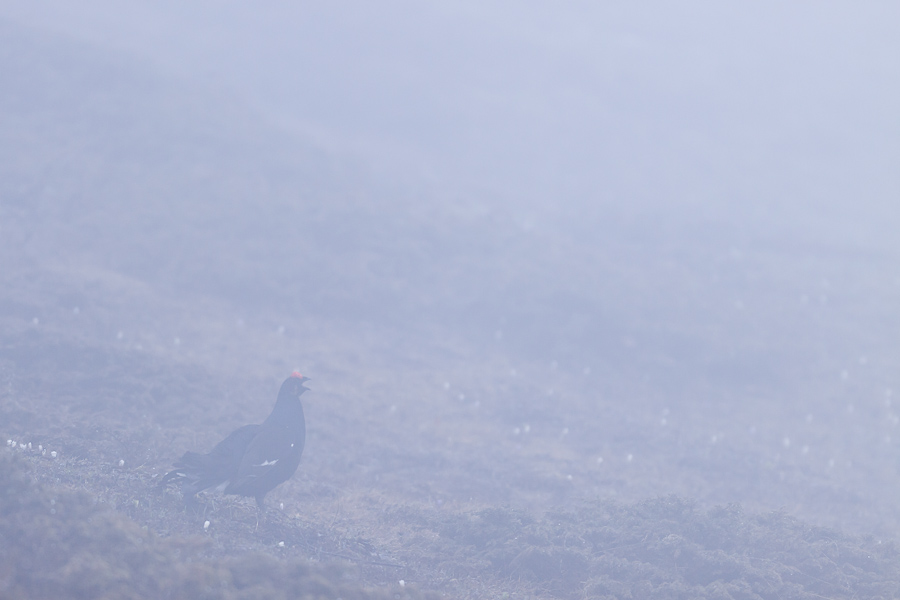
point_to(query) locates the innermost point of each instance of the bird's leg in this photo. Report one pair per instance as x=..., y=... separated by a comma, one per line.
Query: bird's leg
x=260, y=509
x=193, y=506
x=190, y=502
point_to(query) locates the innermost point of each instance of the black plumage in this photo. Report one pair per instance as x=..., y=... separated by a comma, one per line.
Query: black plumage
x=253, y=459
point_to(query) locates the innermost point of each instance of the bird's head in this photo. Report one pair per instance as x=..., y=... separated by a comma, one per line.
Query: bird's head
x=293, y=386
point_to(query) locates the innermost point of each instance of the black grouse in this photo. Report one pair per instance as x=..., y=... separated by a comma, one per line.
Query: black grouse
x=253, y=459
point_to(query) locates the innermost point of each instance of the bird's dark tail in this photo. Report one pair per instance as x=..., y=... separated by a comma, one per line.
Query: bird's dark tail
x=187, y=468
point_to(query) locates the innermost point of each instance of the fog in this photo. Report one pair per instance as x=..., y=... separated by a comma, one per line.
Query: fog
x=531, y=255
x=734, y=111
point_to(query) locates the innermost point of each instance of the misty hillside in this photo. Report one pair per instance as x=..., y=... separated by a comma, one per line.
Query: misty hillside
x=168, y=254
